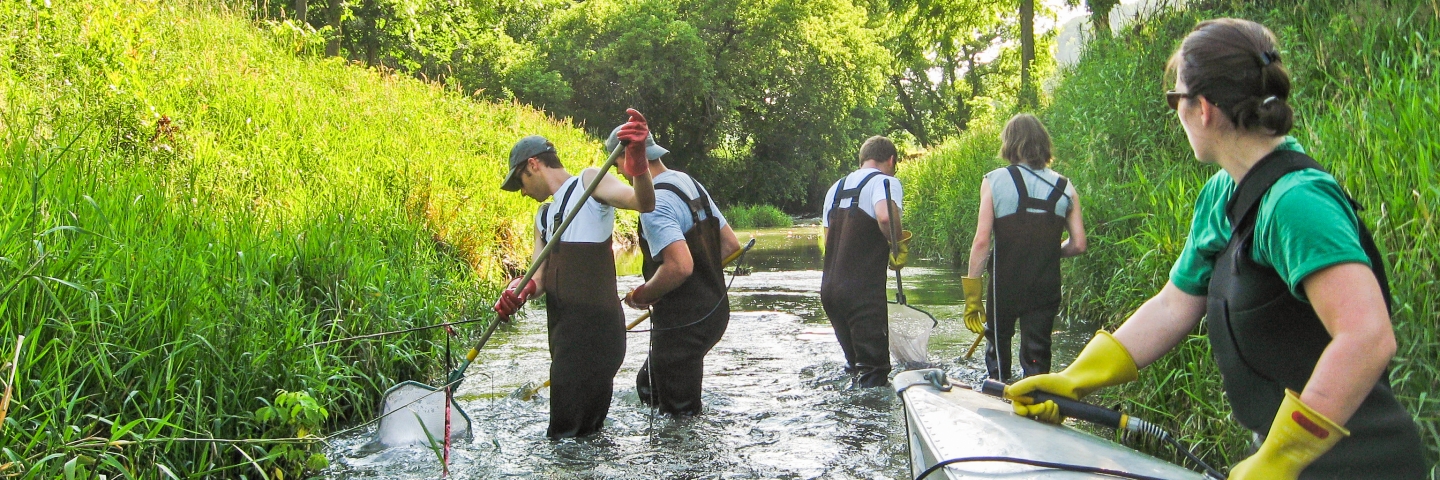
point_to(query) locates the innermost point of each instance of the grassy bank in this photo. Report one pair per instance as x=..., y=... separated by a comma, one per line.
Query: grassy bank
x=1366, y=101
x=187, y=197
x=757, y=216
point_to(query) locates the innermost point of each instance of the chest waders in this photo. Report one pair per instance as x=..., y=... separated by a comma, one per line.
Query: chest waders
x=852, y=286
x=689, y=320
x=587, y=332
x=1265, y=340
x=1026, y=276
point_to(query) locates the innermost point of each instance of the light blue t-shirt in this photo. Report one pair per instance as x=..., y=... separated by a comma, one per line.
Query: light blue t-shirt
x=671, y=218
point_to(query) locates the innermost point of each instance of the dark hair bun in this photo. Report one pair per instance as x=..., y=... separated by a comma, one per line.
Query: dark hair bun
x=1270, y=113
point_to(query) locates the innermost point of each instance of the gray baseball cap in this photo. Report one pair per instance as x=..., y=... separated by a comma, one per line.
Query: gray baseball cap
x=524, y=149
x=652, y=151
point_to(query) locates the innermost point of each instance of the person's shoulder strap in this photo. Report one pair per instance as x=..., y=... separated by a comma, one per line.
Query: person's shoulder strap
x=544, y=229
x=1245, y=202
x=842, y=193
x=1056, y=194
x=1260, y=178
x=563, y=205
x=689, y=202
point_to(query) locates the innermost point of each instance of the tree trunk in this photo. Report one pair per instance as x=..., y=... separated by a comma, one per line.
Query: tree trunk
x=332, y=17
x=1028, y=97
x=1100, y=16
x=300, y=10
x=914, y=122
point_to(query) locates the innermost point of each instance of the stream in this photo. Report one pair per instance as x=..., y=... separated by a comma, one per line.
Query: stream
x=777, y=402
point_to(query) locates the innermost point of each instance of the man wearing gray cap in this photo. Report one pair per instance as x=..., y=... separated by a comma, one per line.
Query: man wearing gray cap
x=584, y=316
x=682, y=243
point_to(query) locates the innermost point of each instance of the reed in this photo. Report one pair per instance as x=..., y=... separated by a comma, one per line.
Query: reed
x=186, y=197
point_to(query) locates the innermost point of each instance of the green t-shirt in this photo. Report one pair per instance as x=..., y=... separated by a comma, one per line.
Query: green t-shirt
x=1305, y=224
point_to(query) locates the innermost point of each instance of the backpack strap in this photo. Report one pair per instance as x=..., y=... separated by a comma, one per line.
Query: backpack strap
x=1244, y=205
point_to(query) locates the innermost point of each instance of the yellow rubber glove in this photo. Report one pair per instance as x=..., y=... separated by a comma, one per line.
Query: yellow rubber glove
x=1297, y=437
x=974, y=305
x=902, y=254
x=1104, y=362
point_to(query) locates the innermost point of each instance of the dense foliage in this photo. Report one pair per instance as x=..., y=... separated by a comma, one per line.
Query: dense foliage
x=1366, y=101
x=185, y=202
x=748, y=94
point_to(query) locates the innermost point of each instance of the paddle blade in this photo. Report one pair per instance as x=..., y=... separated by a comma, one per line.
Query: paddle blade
x=910, y=335
x=408, y=410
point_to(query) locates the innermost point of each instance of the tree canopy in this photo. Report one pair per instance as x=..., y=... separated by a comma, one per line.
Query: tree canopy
x=767, y=101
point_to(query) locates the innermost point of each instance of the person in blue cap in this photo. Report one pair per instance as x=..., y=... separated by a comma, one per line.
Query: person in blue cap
x=682, y=243
x=584, y=316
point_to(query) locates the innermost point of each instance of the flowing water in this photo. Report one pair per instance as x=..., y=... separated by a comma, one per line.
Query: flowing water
x=777, y=403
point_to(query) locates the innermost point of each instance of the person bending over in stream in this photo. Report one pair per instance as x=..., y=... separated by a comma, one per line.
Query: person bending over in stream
x=1027, y=206
x=1287, y=277
x=857, y=221
x=585, y=320
x=682, y=243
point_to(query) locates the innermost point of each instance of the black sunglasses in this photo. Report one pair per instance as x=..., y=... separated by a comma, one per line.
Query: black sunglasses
x=1173, y=98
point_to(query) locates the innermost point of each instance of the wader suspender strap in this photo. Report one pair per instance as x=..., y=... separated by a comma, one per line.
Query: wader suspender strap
x=559, y=213
x=1244, y=205
x=1027, y=202
x=842, y=193
x=697, y=205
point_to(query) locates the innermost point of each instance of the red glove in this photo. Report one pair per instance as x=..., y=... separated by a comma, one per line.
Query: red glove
x=634, y=133
x=512, y=298
x=635, y=298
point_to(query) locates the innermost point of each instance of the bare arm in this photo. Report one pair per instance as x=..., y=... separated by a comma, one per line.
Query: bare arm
x=729, y=243
x=885, y=212
x=1160, y=324
x=612, y=192
x=672, y=272
x=1348, y=301
x=980, y=246
x=1074, y=224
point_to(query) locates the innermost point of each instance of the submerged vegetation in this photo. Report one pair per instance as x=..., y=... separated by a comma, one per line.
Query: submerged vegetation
x=187, y=200
x=1366, y=101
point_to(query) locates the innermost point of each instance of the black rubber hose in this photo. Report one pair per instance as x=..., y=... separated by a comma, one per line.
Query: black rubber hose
x=1036, y=463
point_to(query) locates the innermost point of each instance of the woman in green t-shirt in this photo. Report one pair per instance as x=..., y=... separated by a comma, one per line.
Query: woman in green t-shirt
x=1287, y=278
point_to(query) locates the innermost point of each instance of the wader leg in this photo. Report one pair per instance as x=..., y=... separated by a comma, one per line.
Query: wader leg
x=1035, y=329
x=997, y=337
x=870, y=330
x=841, y=324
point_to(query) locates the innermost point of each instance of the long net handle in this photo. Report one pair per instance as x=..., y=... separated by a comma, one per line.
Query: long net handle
x=894, y=242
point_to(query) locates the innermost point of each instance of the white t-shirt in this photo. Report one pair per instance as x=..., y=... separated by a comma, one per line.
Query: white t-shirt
x=869, y=196
x=671, y=218
x=593, y=224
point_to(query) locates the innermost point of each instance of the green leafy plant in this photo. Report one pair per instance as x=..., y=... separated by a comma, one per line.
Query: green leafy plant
x=293, y=415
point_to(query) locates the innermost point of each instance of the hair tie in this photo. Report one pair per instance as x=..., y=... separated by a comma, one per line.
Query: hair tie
x=1268, y=57
x=1267, y=100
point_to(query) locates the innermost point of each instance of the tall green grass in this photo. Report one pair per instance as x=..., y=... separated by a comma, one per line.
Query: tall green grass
x=1366, y=101
x=943, y=190
x=757, y=216
x=166, y=274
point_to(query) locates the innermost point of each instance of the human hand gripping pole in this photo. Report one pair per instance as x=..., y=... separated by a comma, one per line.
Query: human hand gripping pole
x=459, y=372
x=895, y=246
x=528, y=390
x=1104, y=362
x=633, y=134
